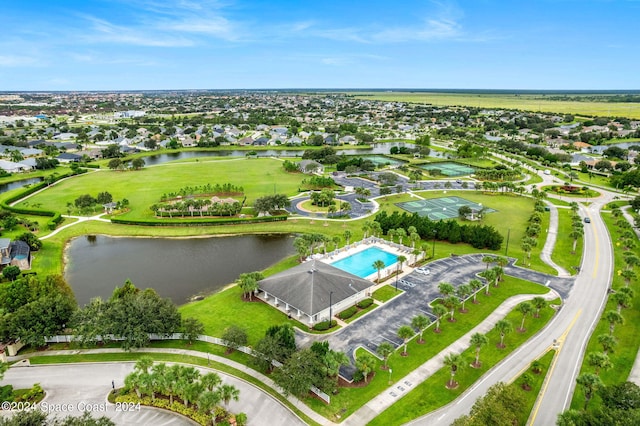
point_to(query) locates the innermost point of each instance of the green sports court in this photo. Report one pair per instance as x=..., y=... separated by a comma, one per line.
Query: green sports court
x=449, y=168
x=441, y=208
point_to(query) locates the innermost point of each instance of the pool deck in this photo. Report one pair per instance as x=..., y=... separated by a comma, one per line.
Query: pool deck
x=388, y=246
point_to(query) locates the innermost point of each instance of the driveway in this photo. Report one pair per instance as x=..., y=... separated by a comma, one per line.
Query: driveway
x=81, y=385
x=418, y=291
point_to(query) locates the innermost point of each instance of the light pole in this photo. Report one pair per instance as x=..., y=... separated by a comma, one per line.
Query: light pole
x=506, y=250
x=397, y=273
x=390, y=371
x=330, y=308
x=433, y=247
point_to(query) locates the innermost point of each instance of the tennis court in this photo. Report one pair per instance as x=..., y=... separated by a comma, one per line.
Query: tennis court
x=449, y=168
x=441, y=208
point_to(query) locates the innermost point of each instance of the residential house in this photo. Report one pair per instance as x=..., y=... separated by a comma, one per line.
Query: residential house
x=310, y=166
x=14, y=253
x=67, y=157
x=11, y=167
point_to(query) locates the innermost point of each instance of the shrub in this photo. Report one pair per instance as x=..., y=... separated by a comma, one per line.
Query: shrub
x=324, y=325
x=363, y=304
x=348, y=313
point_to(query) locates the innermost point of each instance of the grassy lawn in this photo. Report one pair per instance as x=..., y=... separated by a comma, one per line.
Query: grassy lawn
x=525, y=102
x=145, y=187
x=510, y=218
x=386, y=293
x=562, y=251
x=626, y=334
x=226, y=308
x=349, y=400
x=114, y=357
x=589, y=193
x=594, y=179
x=432, y=393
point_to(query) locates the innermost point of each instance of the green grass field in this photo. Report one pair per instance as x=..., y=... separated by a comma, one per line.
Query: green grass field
x=627, y=334
x=509, y=101
x=144, y=188
x=433, y=393
x=562, y=251
x=349, y=400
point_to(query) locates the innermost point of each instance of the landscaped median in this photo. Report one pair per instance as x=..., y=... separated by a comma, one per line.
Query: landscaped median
x=350, y=399
x=434, y=393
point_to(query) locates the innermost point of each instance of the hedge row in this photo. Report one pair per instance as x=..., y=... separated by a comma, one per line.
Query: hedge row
x=198, y=222
x=365, y=303
x=348, y=313
x=324, y=325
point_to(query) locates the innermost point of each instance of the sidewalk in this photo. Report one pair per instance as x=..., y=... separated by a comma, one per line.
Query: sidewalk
x=405, y=384
x=241, y=367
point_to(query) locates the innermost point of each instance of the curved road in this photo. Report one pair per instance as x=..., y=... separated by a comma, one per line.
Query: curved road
x=570, y=330
x=81, y=385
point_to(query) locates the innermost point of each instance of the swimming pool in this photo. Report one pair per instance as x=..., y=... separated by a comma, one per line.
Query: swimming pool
x=361, y=263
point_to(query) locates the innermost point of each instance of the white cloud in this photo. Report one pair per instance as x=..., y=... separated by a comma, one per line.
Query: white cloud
x=17, y=61
x=105, y=31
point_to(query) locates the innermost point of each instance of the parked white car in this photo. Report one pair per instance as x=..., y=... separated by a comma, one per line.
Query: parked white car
x=423, y=271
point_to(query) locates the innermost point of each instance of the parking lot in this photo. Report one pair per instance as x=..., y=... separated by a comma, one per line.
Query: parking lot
x=418, y=291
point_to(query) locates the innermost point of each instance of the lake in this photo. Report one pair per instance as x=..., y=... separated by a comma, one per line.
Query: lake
x=380, y=148
x=178, y=268
x=18, y=184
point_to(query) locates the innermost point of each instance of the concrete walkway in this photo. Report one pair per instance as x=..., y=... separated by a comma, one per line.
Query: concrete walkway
x=404, y=385
x=264, y=379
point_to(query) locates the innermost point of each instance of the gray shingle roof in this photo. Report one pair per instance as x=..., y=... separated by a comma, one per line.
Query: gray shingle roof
x=307, y=286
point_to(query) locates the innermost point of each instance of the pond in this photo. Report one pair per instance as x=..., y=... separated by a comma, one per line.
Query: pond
x=18, y=184
x=178, y=268
x=381, y=148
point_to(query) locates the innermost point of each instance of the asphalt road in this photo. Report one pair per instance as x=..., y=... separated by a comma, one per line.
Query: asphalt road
x=570, y=329
x=82, y=387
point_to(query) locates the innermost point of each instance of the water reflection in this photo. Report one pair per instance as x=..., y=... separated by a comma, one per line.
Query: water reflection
x=175, y=268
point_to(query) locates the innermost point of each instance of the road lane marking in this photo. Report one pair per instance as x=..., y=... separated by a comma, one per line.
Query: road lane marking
x=547, y=379
x=597, y=244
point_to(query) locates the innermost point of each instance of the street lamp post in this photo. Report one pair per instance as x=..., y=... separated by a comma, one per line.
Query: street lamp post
x=433, y=247
x=390, y=371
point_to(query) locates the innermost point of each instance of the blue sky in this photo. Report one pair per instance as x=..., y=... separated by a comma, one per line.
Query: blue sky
x=192, y=44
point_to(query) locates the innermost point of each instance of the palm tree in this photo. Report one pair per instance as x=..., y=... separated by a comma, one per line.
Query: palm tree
x=143, y=364
x=575, y=234
x=600, y=361
x=366, y=228
x=207, y=400
x=446, y=289
x=488, y=260
x=451, y=303
x=347, y=236
x=210, y=380
x=378, y=265
x=463, y=292
x=525, y=309
x=385, y=349
x=401, y=233
x=391, y=233
x=538, y=303
x=613, y=318
x=227, y=393
x=420, y=322
x=622, y=299
x=504, y=327
x=439, y=311
x=590, y=383
x=405, y=333
x=475, y=285
x=365, y=362
x=631, y=261
x=489, y=275
x=159, y=376
x=454, y=362
x=401, y=259
x=608, y=343
x=248, y=284
x=478, y=340
x=628, y=275
x=336, y=241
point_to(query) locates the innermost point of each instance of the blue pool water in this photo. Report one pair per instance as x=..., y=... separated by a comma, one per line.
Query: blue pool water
x=361, y=263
